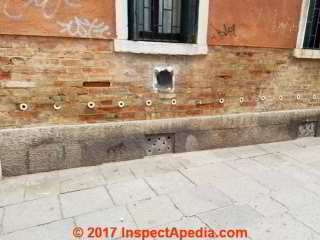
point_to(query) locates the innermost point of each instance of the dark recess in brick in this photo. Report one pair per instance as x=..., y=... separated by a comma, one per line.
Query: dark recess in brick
x=96, y=84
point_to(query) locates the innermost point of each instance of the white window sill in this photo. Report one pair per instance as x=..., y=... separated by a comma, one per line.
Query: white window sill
x=306, y=53
x=159, y=48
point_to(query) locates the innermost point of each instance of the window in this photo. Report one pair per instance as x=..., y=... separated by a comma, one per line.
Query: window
x=308, y=41
x=163, y=20
x=312, y=33
x=171, y=27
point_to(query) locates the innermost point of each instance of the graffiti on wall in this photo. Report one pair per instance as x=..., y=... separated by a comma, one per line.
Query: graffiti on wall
x=227, y=30
x=49, y=8
x=83, y=27
x=67, y=18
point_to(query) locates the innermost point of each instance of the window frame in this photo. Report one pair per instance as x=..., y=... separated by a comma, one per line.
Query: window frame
x=153, y=28
x=122, y=44
x=299, y=51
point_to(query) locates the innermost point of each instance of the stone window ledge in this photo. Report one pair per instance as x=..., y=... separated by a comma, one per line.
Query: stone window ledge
x=306, y=53
x=160, y=48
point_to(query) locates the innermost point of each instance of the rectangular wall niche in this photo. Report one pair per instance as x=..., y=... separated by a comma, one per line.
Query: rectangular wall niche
x=157, y=144
x=163, y=79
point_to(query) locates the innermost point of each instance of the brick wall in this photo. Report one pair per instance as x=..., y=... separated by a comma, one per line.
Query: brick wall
x=42, y=71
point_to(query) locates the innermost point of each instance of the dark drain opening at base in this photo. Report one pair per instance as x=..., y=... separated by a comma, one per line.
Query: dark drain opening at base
x=157, y=144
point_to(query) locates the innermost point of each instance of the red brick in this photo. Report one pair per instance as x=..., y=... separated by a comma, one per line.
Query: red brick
x=5, y=75
x=76, y=71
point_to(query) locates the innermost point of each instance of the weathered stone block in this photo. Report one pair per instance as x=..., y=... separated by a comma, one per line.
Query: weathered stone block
x=29, y=150
x=13, y=160
x=110, y=150
x=73, y=156
x=225, y=137
x=45, y=158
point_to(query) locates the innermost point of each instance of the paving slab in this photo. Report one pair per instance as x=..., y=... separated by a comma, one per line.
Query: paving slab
x=85, y=201
x=128, y=192
x=186, y=223
x=70, y=173
x=248, y=151
x=85, y=180
x=236, y=216
x=272, y=190
x=242, y=189
x=1, y=219
x=313, y=187
x=199, y=199
x=304, y=155
x=247, y=166
x=273, y=160
x=309, y=215
x=307, y=141
x=155, y=165
x=275, y=180
x=210, y=173
x=315, y=166
x=295, y=197
x=300, y=172
x=169, y=182
x=117, y=172
x=118, y=217
x=196, y=159
x=267, y=206
x=312, y=168
x=224, y=154
x=30, y=214
x=42, y=185
x=279, y=147
x=60, y=230
x=281, y=227
x=154, y=212
x=12, y=190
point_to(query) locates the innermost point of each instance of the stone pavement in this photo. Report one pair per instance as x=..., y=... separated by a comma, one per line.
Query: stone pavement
x=273, y=190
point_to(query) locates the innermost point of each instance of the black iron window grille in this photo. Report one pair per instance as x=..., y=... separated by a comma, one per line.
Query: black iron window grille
x=312, y=34
x=163, y=20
